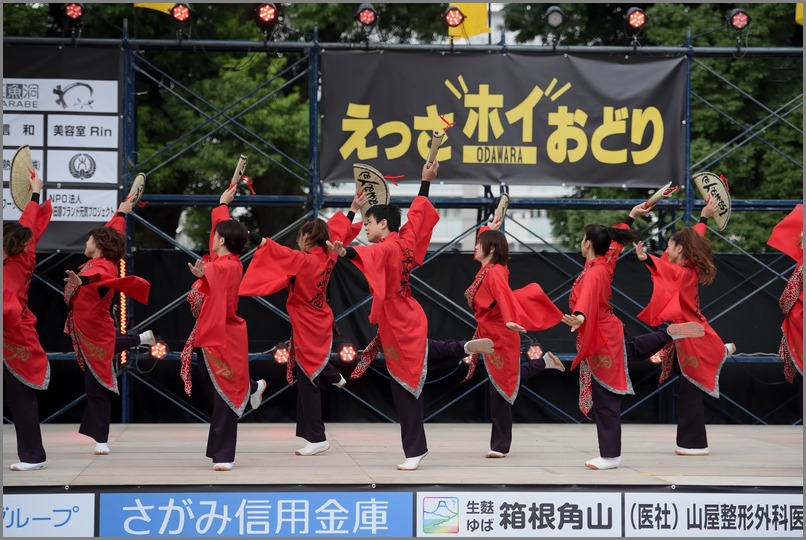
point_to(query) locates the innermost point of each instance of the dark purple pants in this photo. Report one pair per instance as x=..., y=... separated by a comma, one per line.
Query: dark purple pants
x=222, y=437
x=98, y=411
x=21, y=401
x=607, y=405
x=690, y=413
x=501, y=410
x=310, y=425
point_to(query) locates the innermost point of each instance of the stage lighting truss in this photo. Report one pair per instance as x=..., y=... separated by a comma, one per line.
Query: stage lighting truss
x=366, y=15
x=738, y=19
x=267, y=17
x=453, y=16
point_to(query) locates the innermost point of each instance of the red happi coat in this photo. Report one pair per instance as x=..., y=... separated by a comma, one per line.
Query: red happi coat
x=89, y=323
x=786, y=237
x=600, y=339
x=402, y=325
x=22, y=353
x=494, y=305
x=675, y=299
x=306, y=275
x=220, y=333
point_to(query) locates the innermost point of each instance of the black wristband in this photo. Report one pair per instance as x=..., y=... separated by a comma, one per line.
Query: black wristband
x=351, y=253
x=224, y=204
x=121, y=214
x=35, y=197
x=84, y=280
x=704, y=219
x=629, y=221
x=255, y=238
x=424, y=187
x=350, y=216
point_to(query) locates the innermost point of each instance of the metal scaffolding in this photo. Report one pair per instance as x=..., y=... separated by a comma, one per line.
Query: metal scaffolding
x=217, y=119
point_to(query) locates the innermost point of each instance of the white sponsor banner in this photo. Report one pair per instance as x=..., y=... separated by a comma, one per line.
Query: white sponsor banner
x=83, y=204
x=37, y=156
x=83, y=165
x=19, y=129
x=713, y=514
x=60, y=95
x=518, y=514
x=10, y=211
x=81, y=131
x=49, y=516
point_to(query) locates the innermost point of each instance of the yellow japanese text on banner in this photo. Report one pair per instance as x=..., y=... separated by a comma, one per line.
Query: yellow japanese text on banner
x=164, y=7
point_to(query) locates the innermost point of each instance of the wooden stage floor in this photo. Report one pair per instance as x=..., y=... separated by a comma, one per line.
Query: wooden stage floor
x=362, y=454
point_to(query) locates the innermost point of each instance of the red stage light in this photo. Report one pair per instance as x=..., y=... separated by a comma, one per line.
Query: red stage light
x=636, y=18
x=534, y=352
x=366, y=15
x=180, y=12
x=74, y=11
x=347, y=353
x=453, y=16
x=159, y=350
x=267, y=13
x=739, y=19
x=281, y=355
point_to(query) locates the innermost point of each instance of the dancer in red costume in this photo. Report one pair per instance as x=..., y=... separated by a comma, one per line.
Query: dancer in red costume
x=602, y=349
x=501, y=314
x=305, y=273
x=25, y=364
x=402, y=325
x=687, y=263
x=220, y=332
x=787, y=237
x=90, y=326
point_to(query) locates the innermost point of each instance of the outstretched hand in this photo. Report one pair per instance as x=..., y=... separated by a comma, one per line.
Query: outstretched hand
x=639, y=210
x=574, y=321
x=36, y=183
x=126, y=207
x=639, y=251
x=359, y=200
x=515, y=327
x=197, y=268
x=429, y=173
x=72, y=278
x=496, y=223
x=337, y=247
x=711, y=208
x=229, y=195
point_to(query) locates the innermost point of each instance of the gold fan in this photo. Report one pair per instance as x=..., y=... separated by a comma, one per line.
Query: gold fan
x=22, y=171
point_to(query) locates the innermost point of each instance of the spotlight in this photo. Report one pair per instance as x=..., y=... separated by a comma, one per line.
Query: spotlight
x=74, y=11
x=636, y=18
x=180, y=12
x=159, y=350
x=347, y=353
x=366, y=15
x=739, y=19
x=267, y=16
x=534, y=352
x=453, y=16
x=281, y=355
x=554, y=16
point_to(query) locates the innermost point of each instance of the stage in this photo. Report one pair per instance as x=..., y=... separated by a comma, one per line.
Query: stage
x=157, y=482
x=542, y=455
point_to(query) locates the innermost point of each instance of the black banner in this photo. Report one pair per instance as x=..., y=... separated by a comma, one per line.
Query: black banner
x=65, y=104
x=520, y=119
